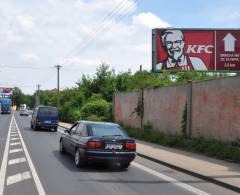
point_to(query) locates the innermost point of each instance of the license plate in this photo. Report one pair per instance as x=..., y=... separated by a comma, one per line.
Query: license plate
x=47, y=121
x=113, y=146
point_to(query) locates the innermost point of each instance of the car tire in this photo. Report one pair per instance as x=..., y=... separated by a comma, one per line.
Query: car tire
x=61, y=147
x=77, y=159
x=31, y=126
x=35, y=128
x=125, y=165
x=55, y=129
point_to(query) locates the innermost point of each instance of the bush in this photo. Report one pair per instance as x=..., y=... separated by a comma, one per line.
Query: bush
x=147, y=126
x=222, y=150
x=96, y=108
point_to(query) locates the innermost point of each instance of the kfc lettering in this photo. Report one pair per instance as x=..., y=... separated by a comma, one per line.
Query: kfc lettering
x=200, y=48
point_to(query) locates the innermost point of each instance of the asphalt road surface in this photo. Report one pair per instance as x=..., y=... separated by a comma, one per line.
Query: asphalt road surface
x=31, y=164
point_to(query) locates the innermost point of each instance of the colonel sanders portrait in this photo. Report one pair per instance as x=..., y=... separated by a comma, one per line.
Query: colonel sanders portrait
x=173, y=42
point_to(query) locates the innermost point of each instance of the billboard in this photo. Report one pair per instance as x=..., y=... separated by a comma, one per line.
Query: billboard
x=196, y=49
x=5, y=91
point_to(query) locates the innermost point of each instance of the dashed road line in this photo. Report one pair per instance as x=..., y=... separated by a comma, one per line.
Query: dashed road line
x=32, y=168
x=18, y=177
x=16, y=150
x=4, y=160
x=16, y=161
x=12, y=139
x=15, y=143
x=13, y=136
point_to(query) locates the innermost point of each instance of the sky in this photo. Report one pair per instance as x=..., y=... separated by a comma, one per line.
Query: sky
x=81, y=34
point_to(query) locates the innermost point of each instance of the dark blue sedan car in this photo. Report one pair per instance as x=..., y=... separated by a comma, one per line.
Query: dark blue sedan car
x=92, y=141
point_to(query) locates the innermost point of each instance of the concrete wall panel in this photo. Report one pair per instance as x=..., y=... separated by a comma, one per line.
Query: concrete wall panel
x=216, y=109
x=163, y=108
x=124, y=106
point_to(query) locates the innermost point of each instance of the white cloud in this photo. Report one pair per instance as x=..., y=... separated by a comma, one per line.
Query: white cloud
x=10, y=36
x=25, y=21
x=77, y=61
x=60, y=28
x=29, y=57
x=149, y=20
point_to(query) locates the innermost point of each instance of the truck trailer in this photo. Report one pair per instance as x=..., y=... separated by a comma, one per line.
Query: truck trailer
x=5, y=105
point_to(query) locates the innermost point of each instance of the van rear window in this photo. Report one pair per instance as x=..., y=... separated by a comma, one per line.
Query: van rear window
x=50, y=111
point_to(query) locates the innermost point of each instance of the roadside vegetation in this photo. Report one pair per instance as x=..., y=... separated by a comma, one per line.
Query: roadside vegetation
x=229, y=151
x=92, y=97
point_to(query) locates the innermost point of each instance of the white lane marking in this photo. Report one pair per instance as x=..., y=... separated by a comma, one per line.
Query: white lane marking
x=15, y=143
x=16, y=138
x=16, y=161
x=13, y=135
x=169, y=179
x=18, y=177
x=32, y=168
x=15, y=150
x=4, y=160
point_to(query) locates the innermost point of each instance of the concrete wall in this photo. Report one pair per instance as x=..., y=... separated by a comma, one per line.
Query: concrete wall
x=163, y=108
x=124, y=105
x=213, y=108
x=216, y=109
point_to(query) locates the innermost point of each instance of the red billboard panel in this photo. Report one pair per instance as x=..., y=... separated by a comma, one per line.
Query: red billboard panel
x=194, y=49
x=5, y=91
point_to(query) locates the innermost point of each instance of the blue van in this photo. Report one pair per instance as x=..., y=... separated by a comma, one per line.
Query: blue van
x=46, y=117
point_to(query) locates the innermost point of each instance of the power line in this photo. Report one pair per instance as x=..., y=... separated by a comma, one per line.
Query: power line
x=120, y=8
x=100, y=23
x=25, y=67
x=119, y=18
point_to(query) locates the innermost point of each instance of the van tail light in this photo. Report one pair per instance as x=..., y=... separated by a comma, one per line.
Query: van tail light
x=130, y=146
x=94, y=144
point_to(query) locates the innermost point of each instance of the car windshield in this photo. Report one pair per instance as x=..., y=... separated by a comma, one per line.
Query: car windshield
x=104, y=130
x=50, y=111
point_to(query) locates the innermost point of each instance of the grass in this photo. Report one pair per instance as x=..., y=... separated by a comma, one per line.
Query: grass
x=229, y=151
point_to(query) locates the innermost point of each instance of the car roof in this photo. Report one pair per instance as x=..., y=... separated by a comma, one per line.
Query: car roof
x=97, y=122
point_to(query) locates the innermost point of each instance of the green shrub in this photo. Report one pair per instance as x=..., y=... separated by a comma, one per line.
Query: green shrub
x=147, y=126
x=94, y=118
x=209, y=147
x=96, y=108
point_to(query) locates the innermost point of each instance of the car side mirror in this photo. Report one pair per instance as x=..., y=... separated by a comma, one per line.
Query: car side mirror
x=67, y=131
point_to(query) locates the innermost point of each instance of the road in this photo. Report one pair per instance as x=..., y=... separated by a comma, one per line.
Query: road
x=31, y=164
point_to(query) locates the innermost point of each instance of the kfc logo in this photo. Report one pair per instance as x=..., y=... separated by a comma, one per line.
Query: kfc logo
x=173, y=42
x=196, y=49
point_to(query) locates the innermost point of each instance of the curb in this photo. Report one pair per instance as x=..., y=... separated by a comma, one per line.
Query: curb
x=200, y=176
x=203, y=177
x=62, y=126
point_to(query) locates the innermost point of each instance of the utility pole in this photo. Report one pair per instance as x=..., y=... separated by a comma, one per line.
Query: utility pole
x=58, y=88
x=38, y=95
